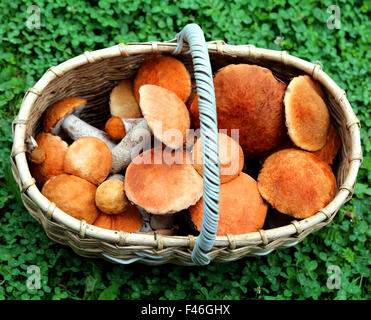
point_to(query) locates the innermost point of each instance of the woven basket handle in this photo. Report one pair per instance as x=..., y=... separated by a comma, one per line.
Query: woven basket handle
x=194, y=36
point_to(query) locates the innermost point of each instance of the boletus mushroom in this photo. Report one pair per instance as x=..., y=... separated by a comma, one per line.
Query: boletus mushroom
x=241, y=207
x=296, y=182
x=47, y=158
x=74, y=195
x=162, y=183
x=248, y=98
x=307, y=116
x=167, y=72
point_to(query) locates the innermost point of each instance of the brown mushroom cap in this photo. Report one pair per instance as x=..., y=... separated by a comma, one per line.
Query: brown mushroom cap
x=162, y=188
x=166, y=115
x=307, y=116
x=331, y=148
x=123, y=103
x=248, y=98
x=60, y=109
x=241, y=208
x=54, y=150
x=296, y=182
x=110, y=197
x=88, y=158
x=129, y=221
x=231, y=158
x=115, y=128
x=73, y=195
x=166, y=72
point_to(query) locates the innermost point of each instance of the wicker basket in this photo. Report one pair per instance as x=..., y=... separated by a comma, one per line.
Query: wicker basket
x=92, y=76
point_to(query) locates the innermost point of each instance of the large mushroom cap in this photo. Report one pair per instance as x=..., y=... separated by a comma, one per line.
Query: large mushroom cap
x=162, y=187
x=123, y=103
x=73, y=195
x=296, y=182
x=241, y=208
x=307, y=116
x=331, y=148
x=88, y=158
x=166, y=115
x=60, y=109
x=248, y=98
x=129, y=221
x=54, y=150
x=231, y=158
x=166, y=72
x=110, y=197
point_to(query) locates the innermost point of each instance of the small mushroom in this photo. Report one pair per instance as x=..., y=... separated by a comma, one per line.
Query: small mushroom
x=296, y=182
x=307, y=116
x=74, y=195
x=166, y=72
x=88, y=158
x=110, y=197
x=64, y=114
x=241, y=207
x=231, y=157
x=162, y=188
x=117, y=127
x=123, y=103
x=47, y=158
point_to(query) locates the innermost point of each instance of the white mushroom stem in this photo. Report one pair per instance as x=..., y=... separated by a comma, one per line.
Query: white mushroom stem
x=136, y=140
x=146, y=220
x=77, y=128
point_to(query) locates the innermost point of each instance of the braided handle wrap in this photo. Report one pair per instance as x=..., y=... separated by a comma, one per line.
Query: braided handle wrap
x=194, y=36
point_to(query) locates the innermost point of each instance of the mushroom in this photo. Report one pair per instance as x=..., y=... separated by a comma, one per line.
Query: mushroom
x=88, y=158
x=165, y=115
x=296, y=182
x=307, y=116
x=248, y=98
x=162, y=187
x=64, y=114
x=331, y=148
x=231, y=157
x=117, y=127
x=110, y=196
x=241, y=207
x=47, y=158
x=129, y=221
x=167, y=72
x=74, y=195
x=123, y=103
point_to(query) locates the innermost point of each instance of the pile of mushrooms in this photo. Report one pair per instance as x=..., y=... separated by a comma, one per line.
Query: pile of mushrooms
x=143, y=171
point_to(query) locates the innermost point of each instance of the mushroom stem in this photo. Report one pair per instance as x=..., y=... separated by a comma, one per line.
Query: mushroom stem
x=165, y=221
x=146, y=219
x=136, y=140
x=77, y=128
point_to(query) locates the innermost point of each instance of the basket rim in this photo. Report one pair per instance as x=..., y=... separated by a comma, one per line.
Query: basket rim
x=296, y=228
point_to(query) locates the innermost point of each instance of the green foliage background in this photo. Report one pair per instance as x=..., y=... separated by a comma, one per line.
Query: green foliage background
x=70, y=27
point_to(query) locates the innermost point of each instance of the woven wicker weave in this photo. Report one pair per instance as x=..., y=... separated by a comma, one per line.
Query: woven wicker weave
x=92, y=76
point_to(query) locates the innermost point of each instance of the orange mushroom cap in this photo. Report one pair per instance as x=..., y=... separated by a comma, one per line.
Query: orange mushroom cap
x=307, y=116
x=129, y=221
x=248, y=98
x=115, y=128
x=88, y=158
x=166, y=72
x=231, y=158
x=60, y=109
x=73, y=195
x=241, y=208
x=110, y=197
x=331, y=148
x=296, y=182
x=54, y=150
